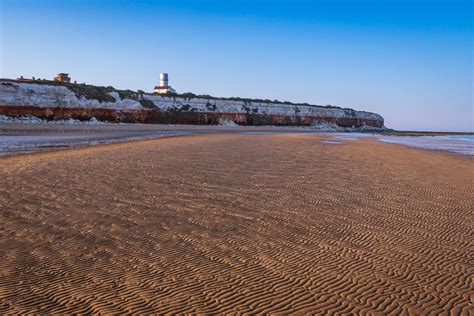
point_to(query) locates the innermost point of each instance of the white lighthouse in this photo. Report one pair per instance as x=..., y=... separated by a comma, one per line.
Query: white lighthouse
x=163, y=80
x=164, y=87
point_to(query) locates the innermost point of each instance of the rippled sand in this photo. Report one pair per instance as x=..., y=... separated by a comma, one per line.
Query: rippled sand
x=237, y=223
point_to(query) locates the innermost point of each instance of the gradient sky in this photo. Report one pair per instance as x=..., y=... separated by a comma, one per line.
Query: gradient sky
x=408, y=60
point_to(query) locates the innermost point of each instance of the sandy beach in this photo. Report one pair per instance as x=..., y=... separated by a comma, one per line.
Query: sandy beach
x=236, y=223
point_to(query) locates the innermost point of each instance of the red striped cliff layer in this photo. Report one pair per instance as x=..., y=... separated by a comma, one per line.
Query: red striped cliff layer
x=51, y=100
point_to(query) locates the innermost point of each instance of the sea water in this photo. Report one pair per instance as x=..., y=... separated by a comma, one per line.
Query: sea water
x=460, y=144
x=20, y=144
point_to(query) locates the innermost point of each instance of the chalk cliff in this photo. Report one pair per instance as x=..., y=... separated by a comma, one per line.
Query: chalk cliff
x=53, y=100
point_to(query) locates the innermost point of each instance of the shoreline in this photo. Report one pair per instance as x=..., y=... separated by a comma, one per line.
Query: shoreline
x=24, y=138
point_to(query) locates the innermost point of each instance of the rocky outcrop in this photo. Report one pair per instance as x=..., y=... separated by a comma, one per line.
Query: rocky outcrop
x=51, y=100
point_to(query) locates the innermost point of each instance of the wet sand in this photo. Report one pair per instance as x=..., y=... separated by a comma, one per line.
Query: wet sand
x=230, y=223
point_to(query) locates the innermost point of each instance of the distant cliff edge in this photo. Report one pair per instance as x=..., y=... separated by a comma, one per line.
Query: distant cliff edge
x=58, y=100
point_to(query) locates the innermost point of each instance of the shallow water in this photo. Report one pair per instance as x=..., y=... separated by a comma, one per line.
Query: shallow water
x=460, y=144
x=20, y=144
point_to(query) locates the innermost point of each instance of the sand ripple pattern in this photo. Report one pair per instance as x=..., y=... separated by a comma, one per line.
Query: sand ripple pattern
x=237, y=224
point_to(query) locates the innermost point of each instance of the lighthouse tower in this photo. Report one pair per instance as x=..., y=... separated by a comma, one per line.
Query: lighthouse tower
x=163, y=80
x=164, y=87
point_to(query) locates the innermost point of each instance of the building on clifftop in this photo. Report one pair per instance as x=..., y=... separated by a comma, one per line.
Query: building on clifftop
x=63, y=77
x=163, y=87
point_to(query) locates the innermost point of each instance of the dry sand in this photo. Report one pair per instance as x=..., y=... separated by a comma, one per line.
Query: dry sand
x=237, y=223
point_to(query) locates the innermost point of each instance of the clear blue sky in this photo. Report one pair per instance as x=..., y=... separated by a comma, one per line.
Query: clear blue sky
x=409, y=60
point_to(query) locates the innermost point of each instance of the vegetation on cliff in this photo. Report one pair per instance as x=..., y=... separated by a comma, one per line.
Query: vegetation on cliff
x=102, y=94
x=246, y=101
x=90, y=92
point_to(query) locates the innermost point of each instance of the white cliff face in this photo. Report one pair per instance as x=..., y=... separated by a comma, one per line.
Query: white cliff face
x=45, y=95
x=228, y=106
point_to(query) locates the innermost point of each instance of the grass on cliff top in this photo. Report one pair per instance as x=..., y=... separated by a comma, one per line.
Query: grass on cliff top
x=101, y=94
x=91, y=92
x=246, y=101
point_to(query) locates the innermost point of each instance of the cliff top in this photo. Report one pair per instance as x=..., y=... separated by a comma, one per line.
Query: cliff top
x=102, y=94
